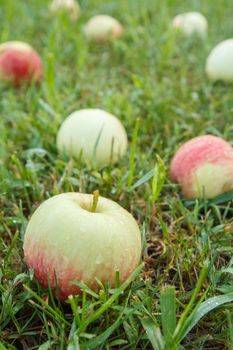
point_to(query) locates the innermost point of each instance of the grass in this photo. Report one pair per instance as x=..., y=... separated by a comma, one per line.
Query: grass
x=154, y=81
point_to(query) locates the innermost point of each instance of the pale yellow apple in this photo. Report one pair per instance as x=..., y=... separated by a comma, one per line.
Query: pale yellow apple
x=191, y=23
x=103, y=28
x=64, y=238
x=95, y=135
x=70, y=6
x=219, y=64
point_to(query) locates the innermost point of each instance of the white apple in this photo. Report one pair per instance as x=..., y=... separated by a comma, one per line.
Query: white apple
x=95, y=135
x=70, y=6
x=219, y=64
x=70, y=237
x=103, y=28
x=191, y=23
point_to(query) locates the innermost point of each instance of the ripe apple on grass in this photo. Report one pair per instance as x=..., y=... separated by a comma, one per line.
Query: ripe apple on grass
x=81, y=237
x=103, y=28
x=219, y=64
x=203, y=166
x=95, y=135
x=70, y=6
x=19, y=63
x=191, y=23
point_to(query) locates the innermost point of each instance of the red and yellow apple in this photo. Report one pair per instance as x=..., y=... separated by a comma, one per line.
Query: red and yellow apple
x=19, y=63
x=103, y=28
x=96, y=136
x=67, y=240
x=203, y=167
x=219, y=64
x=191, y=23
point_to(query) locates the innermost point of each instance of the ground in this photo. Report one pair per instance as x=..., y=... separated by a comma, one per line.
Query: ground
x=154, y=81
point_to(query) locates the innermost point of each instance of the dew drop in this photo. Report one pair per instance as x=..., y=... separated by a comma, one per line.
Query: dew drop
x=99, y=259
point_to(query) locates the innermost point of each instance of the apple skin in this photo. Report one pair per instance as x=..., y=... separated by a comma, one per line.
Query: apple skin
x=70, y=6
x=19, y=63
x=203, y=166
x=219, y=62
x=65, y=239
x=96, y=135
x=103, y=28
x=191, y=23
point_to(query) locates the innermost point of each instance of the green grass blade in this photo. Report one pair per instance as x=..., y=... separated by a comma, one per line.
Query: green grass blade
x=74, y=343
x=230, y=329
x=46, y=345
x=2, y=347
x=100, y=339
x=132, y=156
x=158, y=179
x=45, y=305
x=168, y=312
x=154, y=334
x=110, y=301
x=227, y=270
x=181, y=324
x=143, y=179
x=204, y=309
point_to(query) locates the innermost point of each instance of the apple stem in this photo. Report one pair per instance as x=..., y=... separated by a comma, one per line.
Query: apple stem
x=96, y=195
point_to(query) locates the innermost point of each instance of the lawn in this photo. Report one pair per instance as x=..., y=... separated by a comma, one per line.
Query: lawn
x=153, y=80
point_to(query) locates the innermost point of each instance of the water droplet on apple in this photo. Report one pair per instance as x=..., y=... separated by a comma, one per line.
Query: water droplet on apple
x=99, y=259
x=82, y=229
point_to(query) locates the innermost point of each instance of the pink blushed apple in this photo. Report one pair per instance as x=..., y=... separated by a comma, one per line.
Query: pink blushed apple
x=67, y=241
x=203, y=167
x=19, y=63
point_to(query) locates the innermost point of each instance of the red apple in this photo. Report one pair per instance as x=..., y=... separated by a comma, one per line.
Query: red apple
x=19, y=63
x=203, y=166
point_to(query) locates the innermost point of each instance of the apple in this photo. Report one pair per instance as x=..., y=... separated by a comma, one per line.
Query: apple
x=191, y=23
x=103, y=28
x=70, y=6
x=203, y=167
x=81, y=237
x=96, y=136
x=219, y=62
x=19, y=63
